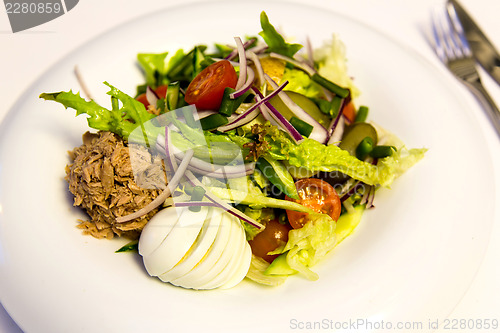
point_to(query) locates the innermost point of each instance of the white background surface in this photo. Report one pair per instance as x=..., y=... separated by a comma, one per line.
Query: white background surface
x=25, y=56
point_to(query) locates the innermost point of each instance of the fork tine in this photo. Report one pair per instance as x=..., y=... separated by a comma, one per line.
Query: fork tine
x=459, y=32
x=437, y=32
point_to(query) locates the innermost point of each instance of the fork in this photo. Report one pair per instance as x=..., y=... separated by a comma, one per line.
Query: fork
x=453, y=50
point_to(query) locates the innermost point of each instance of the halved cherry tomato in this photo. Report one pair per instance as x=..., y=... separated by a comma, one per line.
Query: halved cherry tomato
x=161, y=91
x=349, y=111
x=207, y=88
x=315, y=194
x=269, y=239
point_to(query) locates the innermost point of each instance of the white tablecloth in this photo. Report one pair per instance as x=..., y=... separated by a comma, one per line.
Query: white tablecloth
x=26, y=55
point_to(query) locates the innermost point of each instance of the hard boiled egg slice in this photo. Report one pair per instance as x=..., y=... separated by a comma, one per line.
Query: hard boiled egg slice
x=177, y=243
x=234, y=263
x=157, y=229
x=206, y=266
x=242, y=268
x=232, y=246
x=198, y=250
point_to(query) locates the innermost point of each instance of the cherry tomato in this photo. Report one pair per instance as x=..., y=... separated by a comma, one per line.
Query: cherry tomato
x=161, y=91
x=349, y=111
x=269, y=239
x=315, y=194
x=207, y=88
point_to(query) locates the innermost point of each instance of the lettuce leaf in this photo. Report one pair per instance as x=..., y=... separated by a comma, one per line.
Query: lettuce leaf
x=274, y=40
x=119, y=120
x=314, y=156
x=309, y=244
x=331, y=60
x=300, y=82
x=154, y=67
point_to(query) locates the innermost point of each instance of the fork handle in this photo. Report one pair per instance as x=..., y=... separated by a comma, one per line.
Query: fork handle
x=477, y=88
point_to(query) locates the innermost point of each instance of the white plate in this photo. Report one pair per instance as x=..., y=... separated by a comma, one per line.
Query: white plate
x=412, y=258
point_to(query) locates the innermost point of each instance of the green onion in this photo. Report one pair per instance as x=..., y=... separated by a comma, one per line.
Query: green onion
x=229, y=105
x=213, y=121
x=364, y=148
x=362, y=114
x=278, y=175
x=382, y=151
x=301, y=126
x=198, y=58
x=172, y=95
x=334, y=88
x=197, y=194
x=335, y=105
x=129, y=247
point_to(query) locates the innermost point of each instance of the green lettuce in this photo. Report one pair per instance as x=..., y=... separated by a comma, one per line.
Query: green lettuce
x=276, y=42
x=154, y=67
x=331, y=60
x=300, y=82
x=314, y=156
x=309, y=244
x=119, y=120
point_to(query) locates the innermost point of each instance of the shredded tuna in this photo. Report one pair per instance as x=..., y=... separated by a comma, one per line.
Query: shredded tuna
x=101, y=179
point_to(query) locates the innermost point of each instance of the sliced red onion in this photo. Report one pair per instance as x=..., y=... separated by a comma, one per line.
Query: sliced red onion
x=351, y=191
x=305, y=67
x=215, y=170
x=241, y=119
x=319, y=133
x=337, y=133
x=159, y=200
x=258, y=49
x=332, y=128
x=264, y=110
x=371, y=197
x=364, y=199
x=310, y=54
x=234, y=53
x=345, y=102
x=223, y=172
x=258, y=66
x=222, y=204
x=346, y=120
x=253, y=111
x=246, y=86
x=282, y=122
x=172, y=163
x=202, y=114
x=151, y=96
x=243, y=63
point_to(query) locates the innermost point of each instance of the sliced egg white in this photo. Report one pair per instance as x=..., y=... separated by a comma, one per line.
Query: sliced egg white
x=177, y=243
x=234, y=262
x=232, y=246
x=198, y=250
x=157, y=229
x=210, y=265
x=243, y=268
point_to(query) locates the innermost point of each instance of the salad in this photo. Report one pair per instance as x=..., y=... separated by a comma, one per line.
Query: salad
x=251, y=160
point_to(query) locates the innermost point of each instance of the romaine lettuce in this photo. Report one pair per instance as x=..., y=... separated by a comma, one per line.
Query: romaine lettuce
x=332, y=64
